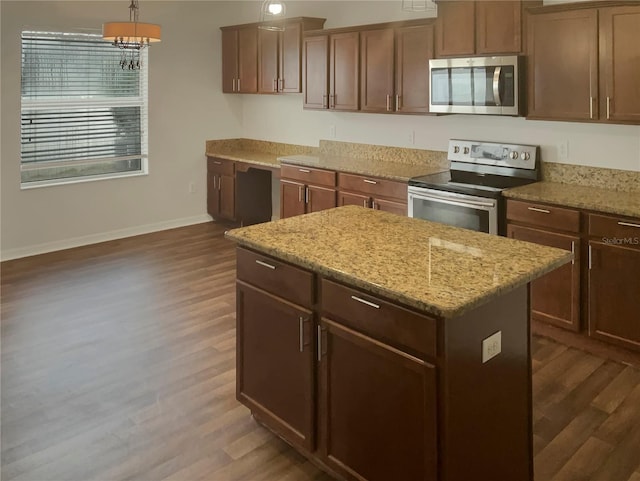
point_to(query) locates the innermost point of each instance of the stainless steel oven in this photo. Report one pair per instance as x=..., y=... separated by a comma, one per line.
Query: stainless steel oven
x=476, y=85
x=460, y=210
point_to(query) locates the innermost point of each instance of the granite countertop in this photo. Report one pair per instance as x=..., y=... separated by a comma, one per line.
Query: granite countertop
x=434, y=268
x=398, y=171
x=248, y=156
x=579, y=196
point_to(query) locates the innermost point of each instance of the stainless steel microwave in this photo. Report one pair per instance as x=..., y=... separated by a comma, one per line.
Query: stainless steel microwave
x=476, y=85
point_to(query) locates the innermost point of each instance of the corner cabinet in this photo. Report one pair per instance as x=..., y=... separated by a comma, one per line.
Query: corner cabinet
x=583, y=62
x=482, y=27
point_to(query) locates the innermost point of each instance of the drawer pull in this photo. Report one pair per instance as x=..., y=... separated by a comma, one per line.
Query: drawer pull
x=364, y=301
x=573, y=252
x=319, y=343
x=264, y=264
x=301, y=319
x=217, y=163
x=590, y=258
x=536, y=209
x=370, y=181
x=629, y=224
x=304, y=171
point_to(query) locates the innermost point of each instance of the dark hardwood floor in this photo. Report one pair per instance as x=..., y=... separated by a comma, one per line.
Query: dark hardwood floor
x=118, y=363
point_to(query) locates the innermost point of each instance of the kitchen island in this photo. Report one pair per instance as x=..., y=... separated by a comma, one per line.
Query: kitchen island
x=384, y=347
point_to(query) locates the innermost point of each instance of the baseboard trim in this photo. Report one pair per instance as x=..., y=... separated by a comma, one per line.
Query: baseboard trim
x=20, y=252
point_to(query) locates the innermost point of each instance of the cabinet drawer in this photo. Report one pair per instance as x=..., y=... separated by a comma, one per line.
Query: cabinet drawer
x=379, y=319
x=274, y=276
x=220, y=166
x=373, y=186
x=605, y=227
x=544, y=215
x=308, y=175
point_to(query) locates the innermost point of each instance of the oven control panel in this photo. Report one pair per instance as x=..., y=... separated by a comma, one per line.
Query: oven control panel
x=489, y=153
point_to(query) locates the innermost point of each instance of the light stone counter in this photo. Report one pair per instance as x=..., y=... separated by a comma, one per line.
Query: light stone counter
x=248, y=156
x=434, y=268
x=579, y=196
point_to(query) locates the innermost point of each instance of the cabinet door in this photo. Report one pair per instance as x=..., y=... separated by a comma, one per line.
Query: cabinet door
x=414, y=49
x=498, y=26
x=290, y=53
x=213, y=195
x=347, y=198
x=377, y=427
x=229, y=60
x=315, y=72
x=275, y=362
x=344, y=71
x=455, y=28
x=291, y=198
x=247, y=60
x=320, y=198
x=377, y=64
x=614, y=302
x=620, y=64
x=267, y=61
x=555, y=297
x=227, y=190
x=399, y=208
x=563, y=65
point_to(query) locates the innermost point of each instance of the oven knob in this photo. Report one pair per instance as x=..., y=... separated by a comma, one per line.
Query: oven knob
x=456, y=149
x=525, y=155
x=466, y=150
x=514, y=155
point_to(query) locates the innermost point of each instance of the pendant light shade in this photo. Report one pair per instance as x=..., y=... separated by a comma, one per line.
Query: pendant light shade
x=272, y=10
x=418, y=5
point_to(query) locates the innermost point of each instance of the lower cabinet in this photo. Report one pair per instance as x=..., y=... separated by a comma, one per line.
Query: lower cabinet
x=221, y=188
x=376, y=193
x=375, y=427
x=305, y=189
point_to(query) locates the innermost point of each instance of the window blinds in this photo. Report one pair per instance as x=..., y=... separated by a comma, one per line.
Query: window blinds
x=82, y=115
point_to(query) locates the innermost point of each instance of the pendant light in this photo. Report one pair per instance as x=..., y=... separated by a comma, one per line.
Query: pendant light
x=131, y=36
x=272, y=10
x=417, y=5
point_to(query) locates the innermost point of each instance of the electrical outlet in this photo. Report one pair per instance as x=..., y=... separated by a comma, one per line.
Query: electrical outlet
x=192, y=187
x=563, y=151
x=332, y=131
x=412, y=137
x=491, y=346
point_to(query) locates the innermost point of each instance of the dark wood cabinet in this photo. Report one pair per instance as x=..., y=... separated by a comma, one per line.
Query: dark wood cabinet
x=481, y=27
x=555, y=297
x=582, y=63
x=268, y=49
x=413, y=50
x=290, y=56
x=373, y=192
x=240, y=59
x=613, y=272
x=344, y=71
x=275, y=354
x=221, y=188
x=375, y=427
x=377, y=70
x=315, y=72
x=305, y=189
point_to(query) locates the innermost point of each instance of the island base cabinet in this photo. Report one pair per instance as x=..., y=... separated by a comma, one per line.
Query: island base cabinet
x=614, y=298
x=375, y=427
x=275, y=358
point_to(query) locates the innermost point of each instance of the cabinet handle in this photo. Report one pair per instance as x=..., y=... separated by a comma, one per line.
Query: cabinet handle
x=332, y=101
x=238, y=85
x=591, y=107
x=233, y=85
x=373, y=204
x=370, y=181
x=364, y=301
x=219, y=182
x=304, y=171
x=397, y=102
x=388, y=102
x=608, y=108
x=365, y=203
x=629, y=224
x=299, y=193
x=319, y=343
x=573, y=252
x=307, y=195
x=536, y=209
x=275, y=85
x=217, y=162
x=325, y=101
x=264, y=264
x=301, y=325
x=590, y=257
x=280, y=84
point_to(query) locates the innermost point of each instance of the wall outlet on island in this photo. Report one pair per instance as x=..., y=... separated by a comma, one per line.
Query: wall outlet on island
x=332, y=131
x=563, y=151
x=491, y=346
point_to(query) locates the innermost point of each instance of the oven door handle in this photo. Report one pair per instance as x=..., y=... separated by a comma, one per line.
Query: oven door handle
x=453, y=200
x=496, y=86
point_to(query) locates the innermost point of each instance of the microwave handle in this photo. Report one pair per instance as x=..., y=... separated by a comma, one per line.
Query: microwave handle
x=496, y=86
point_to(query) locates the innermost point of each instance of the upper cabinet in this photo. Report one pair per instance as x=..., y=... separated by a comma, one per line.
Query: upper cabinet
x=482, y=27
x=583, y=63
x=384, y=69
x=259, y=60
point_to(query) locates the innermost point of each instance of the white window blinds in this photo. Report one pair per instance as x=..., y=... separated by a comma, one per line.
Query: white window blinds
x=82, y=115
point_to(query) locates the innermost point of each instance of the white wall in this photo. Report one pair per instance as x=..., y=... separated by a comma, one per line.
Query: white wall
x=614, y=146
x=186, y=108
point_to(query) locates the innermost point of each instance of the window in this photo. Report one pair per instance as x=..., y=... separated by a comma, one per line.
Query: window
x=83, y=117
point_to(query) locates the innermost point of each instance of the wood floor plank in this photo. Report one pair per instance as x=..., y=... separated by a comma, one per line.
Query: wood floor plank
x=118, y=364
